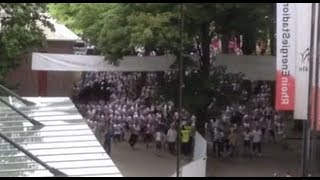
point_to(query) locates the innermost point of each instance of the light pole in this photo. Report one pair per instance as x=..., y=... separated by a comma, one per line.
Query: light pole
x=316, y=86
x=305, y=164
x=180, y=90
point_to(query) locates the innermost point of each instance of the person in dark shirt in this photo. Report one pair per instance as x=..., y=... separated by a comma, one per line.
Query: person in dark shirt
x=107, y=140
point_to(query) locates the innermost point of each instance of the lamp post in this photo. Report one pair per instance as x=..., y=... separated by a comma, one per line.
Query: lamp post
x=305, y=164
x=180, y=90
x=316, y=86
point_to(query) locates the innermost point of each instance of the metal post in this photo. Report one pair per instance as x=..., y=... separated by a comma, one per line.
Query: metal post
x=316, y=85
x=180, y=91
x=306, y=123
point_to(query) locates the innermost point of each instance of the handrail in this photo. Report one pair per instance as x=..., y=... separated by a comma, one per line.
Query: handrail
x=37, y=124
x=55, y=172
x=8, y=91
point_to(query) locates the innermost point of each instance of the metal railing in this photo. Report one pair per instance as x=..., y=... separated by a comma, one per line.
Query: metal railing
x=35, y=123
x=54, y=171
x=11, y=93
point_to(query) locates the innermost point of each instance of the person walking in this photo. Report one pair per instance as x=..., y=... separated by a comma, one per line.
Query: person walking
x=107, y=140
x=185, y=137
x=117, y=133
x=232, y=142
x=148, y=136
x=159, y=138
x=246, y=142
x=134, y=135
x=220, y=139
x=256, y=141
x=171, y=139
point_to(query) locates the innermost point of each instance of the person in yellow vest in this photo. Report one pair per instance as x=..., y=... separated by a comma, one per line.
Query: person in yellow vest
x=190, y=131
x=185, y=138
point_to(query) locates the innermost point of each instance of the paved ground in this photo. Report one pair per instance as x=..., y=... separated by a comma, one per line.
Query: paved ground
x=144, y=162
x=274, y=159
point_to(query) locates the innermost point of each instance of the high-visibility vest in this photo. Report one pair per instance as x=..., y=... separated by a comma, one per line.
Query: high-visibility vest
x=185, y=136
x=190, y=130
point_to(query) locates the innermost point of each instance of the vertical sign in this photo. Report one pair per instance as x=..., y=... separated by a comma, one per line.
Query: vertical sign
x=285, y=82
x=302, y=58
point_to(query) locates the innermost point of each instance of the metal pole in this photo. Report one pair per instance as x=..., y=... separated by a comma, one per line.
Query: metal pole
x=54, y=171
x=316, y=85
x=180, y=91
x=306, y=123
x=36, y=124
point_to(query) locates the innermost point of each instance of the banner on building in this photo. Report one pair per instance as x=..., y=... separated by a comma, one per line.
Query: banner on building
x=285, y=68
x=70, y=62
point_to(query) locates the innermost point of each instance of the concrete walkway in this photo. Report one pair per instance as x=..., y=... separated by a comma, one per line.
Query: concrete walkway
x=274, y=159
x=144, y=162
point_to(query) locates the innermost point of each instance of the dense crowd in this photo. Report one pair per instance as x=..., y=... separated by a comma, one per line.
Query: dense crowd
x=246, y=126
x=121, y=106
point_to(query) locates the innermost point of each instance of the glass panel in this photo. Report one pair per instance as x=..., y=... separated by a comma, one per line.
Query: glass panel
x=66, y=142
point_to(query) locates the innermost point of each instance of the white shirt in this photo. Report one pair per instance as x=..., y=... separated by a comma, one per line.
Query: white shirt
x=172, y=135
x=117, y=129
x=280, y=127
x=136, y=129
x=246, y=125
x=256, y=136
x=246, y=136
x=158, y=136
x=268, y=111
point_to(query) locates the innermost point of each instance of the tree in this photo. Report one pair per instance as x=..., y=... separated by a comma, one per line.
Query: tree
x=117, y=28
x=20, y=32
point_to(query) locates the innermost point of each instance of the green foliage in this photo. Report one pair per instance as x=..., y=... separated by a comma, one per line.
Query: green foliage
x=19, y=32
x=117, y=28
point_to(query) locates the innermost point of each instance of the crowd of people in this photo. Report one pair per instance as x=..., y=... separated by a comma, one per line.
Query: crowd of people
x=246, y=126
x=121, y=106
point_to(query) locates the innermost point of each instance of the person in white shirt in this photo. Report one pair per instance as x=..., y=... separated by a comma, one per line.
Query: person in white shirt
x=171, y=139
x=268, y=112
x=159, y=137
x=256, y=140
x=117, y=133
x=220, y=136
x=246, y=141
x=148, y=135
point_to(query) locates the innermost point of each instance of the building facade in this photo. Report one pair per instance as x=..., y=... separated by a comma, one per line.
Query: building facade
x=42, y=83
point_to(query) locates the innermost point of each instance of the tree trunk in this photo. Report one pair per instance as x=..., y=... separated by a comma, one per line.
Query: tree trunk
x=224, y=42
x=249, y=42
